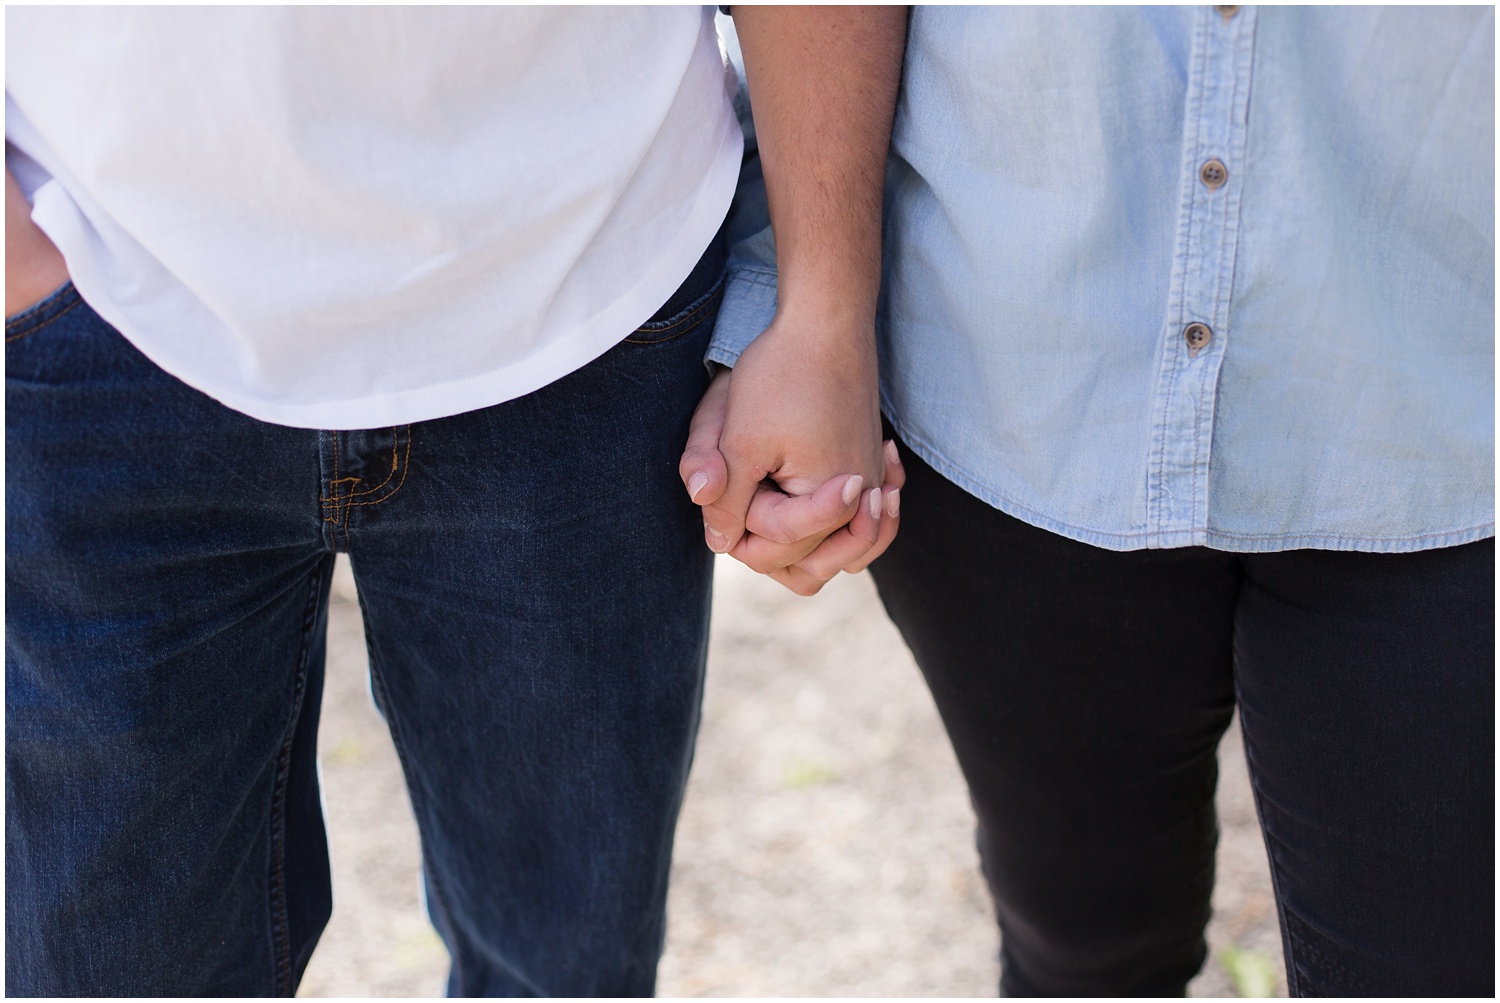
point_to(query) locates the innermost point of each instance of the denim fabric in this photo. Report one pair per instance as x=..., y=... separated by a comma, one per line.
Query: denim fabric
x=535, y=591
x=1085, y=693
x=1050, y=237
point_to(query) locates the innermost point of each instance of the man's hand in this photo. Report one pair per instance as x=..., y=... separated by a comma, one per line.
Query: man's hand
x=33, y=265
x=801, y=541
x=802, y=409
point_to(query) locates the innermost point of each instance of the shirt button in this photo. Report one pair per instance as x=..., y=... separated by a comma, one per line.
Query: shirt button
x=1196, y=335
x=1227, y=10
x=1213, y=174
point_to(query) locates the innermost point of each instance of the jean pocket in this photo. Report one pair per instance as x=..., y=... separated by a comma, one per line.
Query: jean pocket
x=695, y=301
x=659, y=329
x=41, y=313
x=73, y=345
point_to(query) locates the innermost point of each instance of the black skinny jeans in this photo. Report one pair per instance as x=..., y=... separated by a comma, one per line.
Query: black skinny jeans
x=1085, y=692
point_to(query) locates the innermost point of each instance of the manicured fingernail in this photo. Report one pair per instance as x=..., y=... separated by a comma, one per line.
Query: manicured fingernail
x=875, y=502
x=890, y=452
x=717, y=542
x=696, y=483
x=851, y=488
x=893, y=502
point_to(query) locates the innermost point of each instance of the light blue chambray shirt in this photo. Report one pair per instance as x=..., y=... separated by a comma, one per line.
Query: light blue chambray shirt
x=1071, y=190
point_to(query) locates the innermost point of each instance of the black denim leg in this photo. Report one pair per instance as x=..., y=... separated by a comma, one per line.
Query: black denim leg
x=1085, y=693
x=1367, y=694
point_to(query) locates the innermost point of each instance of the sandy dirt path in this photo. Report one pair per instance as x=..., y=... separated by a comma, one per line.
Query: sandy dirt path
x=826, y=844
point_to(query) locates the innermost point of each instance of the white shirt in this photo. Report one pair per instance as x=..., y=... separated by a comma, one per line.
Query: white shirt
x=360, y=217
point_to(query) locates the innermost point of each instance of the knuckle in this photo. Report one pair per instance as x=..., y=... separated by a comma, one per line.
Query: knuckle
x=781, y=534
x=757, y=565
x=778, y=555
x=722, y=519
x=736, y=445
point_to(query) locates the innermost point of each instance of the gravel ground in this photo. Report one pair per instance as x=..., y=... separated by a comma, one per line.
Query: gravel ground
x=826, y=844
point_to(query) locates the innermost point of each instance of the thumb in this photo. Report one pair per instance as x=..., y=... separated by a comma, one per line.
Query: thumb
x=702, y=468
x=724, y=521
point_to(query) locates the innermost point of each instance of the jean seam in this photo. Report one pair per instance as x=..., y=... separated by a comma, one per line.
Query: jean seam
x=281, y=945
x=45, y=321
x=1292, y=979
x=414, y=792
x=334, y=518
x=678, y=328
x=340, y=504
x=396, y=461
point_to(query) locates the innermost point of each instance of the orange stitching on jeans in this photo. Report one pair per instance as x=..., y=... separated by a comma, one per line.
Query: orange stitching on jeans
x=335, y=516
x=338, y=498
x=336, y=477
x=342, y=503
x=684, y=323
x=42, y=323
x=395, y=464
x=405, y=466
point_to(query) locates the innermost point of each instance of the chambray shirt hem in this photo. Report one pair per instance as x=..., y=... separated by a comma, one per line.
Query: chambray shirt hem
x=1147, y=540
x=1375, y=545
x=748, y=306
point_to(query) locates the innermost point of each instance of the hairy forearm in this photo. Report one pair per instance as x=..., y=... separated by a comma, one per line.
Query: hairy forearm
x=823, y=85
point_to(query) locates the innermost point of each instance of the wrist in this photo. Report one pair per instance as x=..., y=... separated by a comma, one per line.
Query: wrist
x=824, y=337
x=831, y=317
x=829, y=290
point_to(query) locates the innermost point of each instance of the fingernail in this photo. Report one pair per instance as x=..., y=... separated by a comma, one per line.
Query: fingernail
x=851, y=488
x=890, y=452
x=875, y=502
x=893, y=502
x=696, y=483
x=717, y=542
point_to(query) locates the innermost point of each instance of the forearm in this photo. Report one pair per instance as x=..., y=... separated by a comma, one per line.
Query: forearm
x=823, y=85
x=802, y=406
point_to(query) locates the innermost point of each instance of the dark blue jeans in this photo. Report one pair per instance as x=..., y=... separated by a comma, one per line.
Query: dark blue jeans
x=535, y=592
x=1085, y=692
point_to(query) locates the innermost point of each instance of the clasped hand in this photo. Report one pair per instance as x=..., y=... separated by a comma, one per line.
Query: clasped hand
x=780, y=451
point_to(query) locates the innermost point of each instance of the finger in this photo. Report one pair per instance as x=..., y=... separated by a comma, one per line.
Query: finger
x=797, y=580
x=724, y=520
x=783, y=518
x=766, y=556
x=895, y=479
x=702, y=468
x=895, y=473
x=890, y=525
x=850, y=544
x=726, y=488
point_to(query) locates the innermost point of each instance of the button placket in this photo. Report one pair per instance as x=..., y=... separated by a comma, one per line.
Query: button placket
x=1196, y=324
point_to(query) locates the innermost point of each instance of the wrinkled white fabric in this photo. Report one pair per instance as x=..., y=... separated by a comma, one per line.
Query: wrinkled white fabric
x=359, y=217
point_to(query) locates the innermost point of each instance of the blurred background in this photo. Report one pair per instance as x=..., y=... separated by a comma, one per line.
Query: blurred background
x=826, y=843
